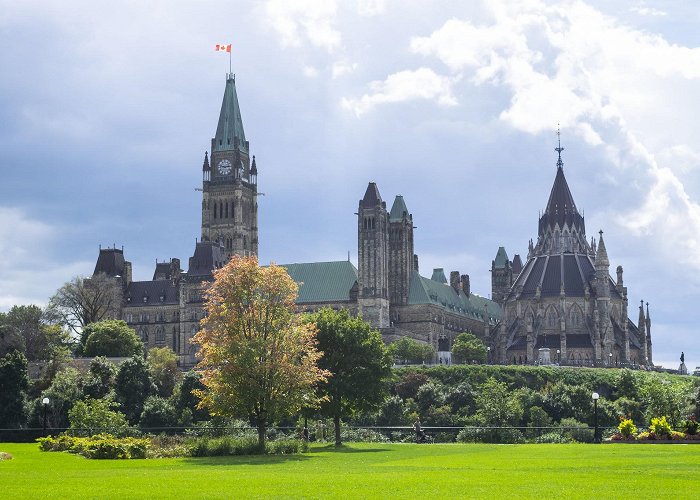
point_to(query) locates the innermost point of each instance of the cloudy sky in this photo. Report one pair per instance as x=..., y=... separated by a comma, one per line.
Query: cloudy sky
x=107, y=108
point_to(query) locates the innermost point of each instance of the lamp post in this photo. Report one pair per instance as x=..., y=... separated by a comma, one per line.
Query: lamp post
x=610, y=358
x=558, y=356
x=45, y=403
x=595, y=397
x=488, y=355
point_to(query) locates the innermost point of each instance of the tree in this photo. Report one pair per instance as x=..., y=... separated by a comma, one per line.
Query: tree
x=162, y=365
x=99, y=380
x=258, y=356
x=495, y=406
x=158, y=412
x=64, y=391
x=94, y=416
x=24, y=328
x=358, y=361
x=82, y=301
x=467, y=347
x=185, y=399
x=132, y=386
x=13, y=390
x=408, y=350
x=111, y=338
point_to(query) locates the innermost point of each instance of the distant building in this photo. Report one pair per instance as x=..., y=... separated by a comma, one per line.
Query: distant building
x=386, y=289
x=563, y=305
x=561, y=299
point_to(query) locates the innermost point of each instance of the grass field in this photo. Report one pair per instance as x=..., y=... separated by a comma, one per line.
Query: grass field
x=368, y=470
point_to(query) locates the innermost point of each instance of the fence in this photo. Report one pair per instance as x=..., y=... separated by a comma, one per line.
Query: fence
x=321, y=431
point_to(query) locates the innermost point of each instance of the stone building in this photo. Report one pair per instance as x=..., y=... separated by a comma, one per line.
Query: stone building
x=563, y=306
x=561, y=299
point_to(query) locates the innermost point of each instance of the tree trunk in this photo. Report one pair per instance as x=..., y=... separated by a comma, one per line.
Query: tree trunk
x=261, y=435
x=336, y=423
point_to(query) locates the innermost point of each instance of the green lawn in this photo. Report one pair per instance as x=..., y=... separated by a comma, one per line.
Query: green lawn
x=369, y=470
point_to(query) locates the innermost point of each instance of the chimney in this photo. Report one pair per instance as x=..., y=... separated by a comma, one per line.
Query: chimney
x=466, y=287
x=454, y=281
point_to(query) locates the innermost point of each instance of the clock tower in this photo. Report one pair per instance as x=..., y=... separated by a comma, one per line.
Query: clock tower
x=230, y=184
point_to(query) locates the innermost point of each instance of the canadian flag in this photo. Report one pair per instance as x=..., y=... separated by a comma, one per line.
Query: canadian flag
x=223, y=47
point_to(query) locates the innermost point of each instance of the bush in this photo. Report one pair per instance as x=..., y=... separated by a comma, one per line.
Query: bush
x=627, y=428
x=362, y=435
x=490, y=435
x=100, y=446
x=575, y=430
x=94, y=415
x=691, y=425
x=660, y=428
x=552, y=437
x=225, y=446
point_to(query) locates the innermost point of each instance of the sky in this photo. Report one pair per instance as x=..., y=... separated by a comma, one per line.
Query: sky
x=107, y=108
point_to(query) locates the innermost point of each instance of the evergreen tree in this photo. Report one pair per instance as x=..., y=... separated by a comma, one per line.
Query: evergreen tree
x=13, y=390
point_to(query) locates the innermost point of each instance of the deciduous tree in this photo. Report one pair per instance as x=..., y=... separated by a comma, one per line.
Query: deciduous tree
x=132, y=386
x=358, y=361
x=258, y=358
x=408, y=350
x=82, y=301
x=162, y=365
x=468, y=348
x=110, y=338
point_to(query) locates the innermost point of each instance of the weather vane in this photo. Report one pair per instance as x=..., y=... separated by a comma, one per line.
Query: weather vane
x=559, y=149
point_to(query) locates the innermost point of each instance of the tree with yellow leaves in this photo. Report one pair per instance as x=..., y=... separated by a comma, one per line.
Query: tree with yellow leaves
x=258, y=358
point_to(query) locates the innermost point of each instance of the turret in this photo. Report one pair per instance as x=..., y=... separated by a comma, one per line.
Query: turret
x=400, y=251
x=373, y=258
x=647, y=321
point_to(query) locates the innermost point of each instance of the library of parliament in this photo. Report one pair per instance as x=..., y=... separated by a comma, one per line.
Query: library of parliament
x=560, y=306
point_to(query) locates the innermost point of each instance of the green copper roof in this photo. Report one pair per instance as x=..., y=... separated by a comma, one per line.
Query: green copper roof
x=439, y=275
x=501, y=258
x=398, y=210
x=230, y=123
x=428, y=291
x=323, y=281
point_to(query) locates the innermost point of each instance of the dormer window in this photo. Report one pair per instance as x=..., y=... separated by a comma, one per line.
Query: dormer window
x=145, y=299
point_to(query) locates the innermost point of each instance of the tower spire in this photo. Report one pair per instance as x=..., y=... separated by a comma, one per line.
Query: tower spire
x=559, y=149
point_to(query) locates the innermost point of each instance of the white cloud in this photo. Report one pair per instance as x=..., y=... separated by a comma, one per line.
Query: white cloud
x=371, y=7
x=310, y=71
x=571, y=64
x=422, y=83
x=302, y=21
x=342, y=68
x=647, y=11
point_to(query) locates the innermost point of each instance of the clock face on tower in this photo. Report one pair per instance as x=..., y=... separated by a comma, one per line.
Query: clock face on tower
x=224, y=167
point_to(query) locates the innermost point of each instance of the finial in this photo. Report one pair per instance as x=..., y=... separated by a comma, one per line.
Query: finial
x=559, y=149
x=600, y=233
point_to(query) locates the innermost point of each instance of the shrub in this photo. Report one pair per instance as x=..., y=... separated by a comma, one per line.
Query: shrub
x=227, y=445
x=490, y=435
x=101, y=446
x=627, y=428
x=552, y=437
x=92, y=415
x=362, y=435
x=575, y=430
x=691, y=425
x=660, y=427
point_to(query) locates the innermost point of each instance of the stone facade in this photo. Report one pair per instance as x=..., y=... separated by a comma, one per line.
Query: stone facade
x=563, y=305
x=562, y=299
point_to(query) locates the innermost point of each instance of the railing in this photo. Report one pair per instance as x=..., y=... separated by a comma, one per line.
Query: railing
x=324, y=432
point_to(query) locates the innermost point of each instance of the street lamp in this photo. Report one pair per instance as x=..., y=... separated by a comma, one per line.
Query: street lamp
x=488, y=355
x=610, y=358
x=595, y=397
x=558, y=356
x=45, y=402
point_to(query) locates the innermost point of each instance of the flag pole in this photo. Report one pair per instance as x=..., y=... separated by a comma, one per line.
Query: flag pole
x=229, y=63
